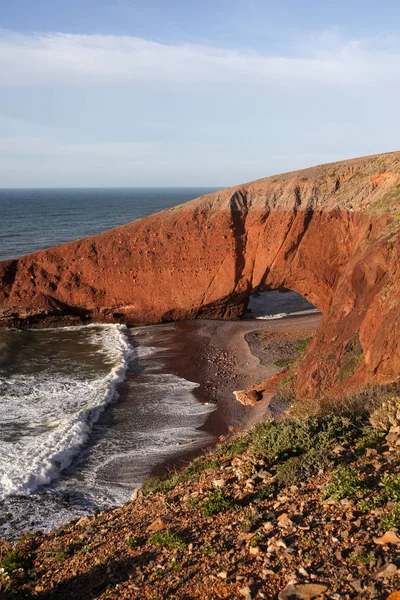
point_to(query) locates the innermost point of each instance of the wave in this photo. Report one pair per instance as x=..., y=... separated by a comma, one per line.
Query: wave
x=47, y=419
x=285, y=314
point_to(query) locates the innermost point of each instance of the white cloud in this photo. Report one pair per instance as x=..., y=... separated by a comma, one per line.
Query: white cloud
x=67, y=59
x=109, y=110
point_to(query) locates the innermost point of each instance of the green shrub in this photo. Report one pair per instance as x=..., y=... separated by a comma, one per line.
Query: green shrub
x=209, y=550
x=199, y=465
x=390, y=485
x=300, y=468
x=283, y=362
x=364, y=559
x=160, y=484
x=86, y=549
x=288, y=380
x=260, y=538
x=297, y=436
x=16, y=559
x=392, y=519
x=217, y=502
x=367, y=504
x=64, y=551
x=167, y=538
x=174, y=478
x=132, y=542
x=265, y=492
x=236, y=445
x=346, y=482
x=370, y=438
x=302, y=345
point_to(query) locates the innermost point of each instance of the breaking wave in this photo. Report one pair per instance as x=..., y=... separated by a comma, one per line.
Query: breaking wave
x=48, y=409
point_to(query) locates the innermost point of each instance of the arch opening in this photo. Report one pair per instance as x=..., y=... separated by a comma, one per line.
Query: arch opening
x=277, y=304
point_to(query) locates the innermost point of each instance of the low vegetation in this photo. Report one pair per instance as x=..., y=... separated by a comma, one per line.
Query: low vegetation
x=284, y=493
x=167, y=538
x=301, y=445
x=218, y=502
x=15, y=560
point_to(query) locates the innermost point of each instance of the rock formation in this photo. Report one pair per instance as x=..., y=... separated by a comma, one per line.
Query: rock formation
x=330, y=233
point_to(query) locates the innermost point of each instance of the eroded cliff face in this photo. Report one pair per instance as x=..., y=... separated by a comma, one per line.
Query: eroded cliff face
x=330, y=233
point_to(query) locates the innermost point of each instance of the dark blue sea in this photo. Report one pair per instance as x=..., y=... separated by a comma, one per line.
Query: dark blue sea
x=32, y=219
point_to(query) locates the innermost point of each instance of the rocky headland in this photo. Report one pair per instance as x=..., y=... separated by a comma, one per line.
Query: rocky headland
x=330, y=233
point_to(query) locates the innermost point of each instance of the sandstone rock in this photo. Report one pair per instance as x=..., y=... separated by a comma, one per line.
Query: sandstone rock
x=284, y=522
x=222, y=574
x=137, y=493
x=387, y=571
x=158, y=524
x=305, y=591
x=390, y=537
x=245, y=592
x=218, y=483
x=329, y=233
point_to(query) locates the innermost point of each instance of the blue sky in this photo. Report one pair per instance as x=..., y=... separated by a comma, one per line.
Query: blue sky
x=156, y=93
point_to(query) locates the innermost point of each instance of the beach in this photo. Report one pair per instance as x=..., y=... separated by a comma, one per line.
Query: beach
x=225, y=356
x=176, y=401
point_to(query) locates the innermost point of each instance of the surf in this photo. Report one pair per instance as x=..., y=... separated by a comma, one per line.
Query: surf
x=48, y=410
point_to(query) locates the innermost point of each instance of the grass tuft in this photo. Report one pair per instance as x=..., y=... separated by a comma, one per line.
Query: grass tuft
x=168, y=539
x=392, y=519
x=218, y=502
x=16, y=559
x=346, y=482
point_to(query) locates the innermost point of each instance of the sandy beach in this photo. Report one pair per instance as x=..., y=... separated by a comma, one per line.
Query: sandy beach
x=225, y=356
x=176, y=402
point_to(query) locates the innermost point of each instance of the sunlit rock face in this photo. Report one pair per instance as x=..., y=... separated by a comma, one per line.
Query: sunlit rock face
x=330, y=233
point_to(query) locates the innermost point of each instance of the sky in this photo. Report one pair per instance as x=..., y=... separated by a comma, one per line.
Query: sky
x=120, y=93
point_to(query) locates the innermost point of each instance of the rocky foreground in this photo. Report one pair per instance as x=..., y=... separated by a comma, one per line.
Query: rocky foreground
x=330, y=233
x=305, y=508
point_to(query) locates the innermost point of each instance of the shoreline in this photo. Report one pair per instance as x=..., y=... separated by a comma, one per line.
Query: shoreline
x=219, y=357
x=226, y=356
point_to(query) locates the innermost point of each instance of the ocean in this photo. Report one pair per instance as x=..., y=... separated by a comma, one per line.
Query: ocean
x=31, y=220
x=87, y=413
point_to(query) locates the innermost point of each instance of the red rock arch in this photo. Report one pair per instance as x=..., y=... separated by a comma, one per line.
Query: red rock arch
x=329, y=233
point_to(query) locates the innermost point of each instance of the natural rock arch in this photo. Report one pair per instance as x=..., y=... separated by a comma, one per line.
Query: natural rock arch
x=330, y=233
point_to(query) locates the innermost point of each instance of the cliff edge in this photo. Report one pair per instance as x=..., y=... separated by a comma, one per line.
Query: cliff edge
x=330, y=233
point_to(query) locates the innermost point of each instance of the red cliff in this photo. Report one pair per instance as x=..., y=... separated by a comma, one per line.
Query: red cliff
x=330, y=233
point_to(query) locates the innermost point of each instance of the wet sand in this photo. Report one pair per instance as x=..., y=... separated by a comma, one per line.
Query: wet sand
x=225, y=356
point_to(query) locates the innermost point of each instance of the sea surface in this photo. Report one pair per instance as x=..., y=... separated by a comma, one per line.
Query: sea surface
x=31, y=220
x=87, y=413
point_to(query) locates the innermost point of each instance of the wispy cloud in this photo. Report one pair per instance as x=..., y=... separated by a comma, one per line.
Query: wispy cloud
x=118, y=110
x=66, y=59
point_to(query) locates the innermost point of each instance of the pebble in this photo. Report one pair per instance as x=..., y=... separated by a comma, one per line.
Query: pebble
x=390, y=537
x=387, y=571
x=245, y=592
x=158, y=524
x=222, y=574
x=304, y=591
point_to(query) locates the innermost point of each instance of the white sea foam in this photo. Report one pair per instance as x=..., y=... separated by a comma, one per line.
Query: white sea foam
x=47, y=413
x=291, y=314
x=272, y=317
x=46, y=417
